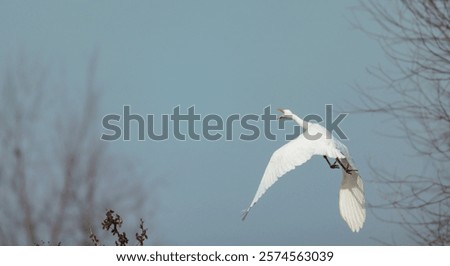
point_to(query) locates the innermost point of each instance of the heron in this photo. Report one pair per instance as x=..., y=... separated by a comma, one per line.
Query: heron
x=317, y=140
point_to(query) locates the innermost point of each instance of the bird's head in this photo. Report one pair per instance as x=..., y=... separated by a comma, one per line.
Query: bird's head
x=285, y=114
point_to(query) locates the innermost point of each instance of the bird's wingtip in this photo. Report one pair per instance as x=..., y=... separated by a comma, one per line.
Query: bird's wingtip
x=244, y=214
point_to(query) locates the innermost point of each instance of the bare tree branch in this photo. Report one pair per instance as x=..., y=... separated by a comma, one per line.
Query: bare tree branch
x=415, y=36
x=56, y=175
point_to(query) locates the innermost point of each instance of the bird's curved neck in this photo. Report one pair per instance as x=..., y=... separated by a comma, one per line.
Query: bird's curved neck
x=300, y=121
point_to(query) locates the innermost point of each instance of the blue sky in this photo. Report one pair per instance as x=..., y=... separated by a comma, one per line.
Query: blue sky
x=223, y=57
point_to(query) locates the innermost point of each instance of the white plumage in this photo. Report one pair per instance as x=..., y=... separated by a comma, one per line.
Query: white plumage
x=316, y=140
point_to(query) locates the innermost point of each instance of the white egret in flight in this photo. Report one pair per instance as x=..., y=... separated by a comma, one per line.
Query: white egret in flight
x=316, y=140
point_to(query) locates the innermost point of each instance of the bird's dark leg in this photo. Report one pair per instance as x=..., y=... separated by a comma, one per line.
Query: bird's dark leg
x=347, y=169
x=332, y=166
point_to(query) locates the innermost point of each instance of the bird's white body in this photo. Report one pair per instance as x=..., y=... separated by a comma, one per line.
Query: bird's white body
x=316, y=140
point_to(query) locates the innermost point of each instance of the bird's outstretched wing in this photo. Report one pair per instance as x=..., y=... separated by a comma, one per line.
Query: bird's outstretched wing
x=351, y=200
x=286, y=158
x=351, y=194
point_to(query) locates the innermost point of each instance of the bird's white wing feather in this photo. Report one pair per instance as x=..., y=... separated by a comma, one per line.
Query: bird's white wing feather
x=351, y=194
x=351, y=200
x=286, y=158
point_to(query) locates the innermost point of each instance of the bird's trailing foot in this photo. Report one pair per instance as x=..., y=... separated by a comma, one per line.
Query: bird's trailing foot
x=347, y=169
